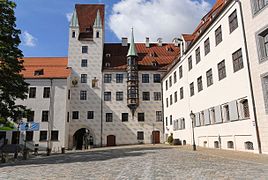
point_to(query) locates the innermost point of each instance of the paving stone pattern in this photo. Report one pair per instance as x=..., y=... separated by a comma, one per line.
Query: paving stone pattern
x=135, y=162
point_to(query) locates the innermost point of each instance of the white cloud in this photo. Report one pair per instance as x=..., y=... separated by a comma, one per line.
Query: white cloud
x=156, y=18
x=28, y=39
x=69, y=16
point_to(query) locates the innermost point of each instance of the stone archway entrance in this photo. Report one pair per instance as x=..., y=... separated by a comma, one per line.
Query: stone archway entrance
x=82, y=139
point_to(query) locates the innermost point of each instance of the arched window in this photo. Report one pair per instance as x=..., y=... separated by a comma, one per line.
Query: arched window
x=184, y=142
x=230, y=144
x=205, y=143
x=249, y=145
x=216, y=144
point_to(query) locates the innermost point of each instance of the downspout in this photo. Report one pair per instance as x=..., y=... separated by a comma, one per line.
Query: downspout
x=163, y=118
x=49, y=124
x=101, y=142
x=250, y=80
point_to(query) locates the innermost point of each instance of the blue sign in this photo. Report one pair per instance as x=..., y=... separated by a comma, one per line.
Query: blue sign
x=29, y=126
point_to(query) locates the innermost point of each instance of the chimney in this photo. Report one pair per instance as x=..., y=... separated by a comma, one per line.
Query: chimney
x=176, y=42
x=124, y=41
x=147, y=42
x=159, y=41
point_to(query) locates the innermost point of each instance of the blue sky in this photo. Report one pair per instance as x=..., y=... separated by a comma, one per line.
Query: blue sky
x=44, y=23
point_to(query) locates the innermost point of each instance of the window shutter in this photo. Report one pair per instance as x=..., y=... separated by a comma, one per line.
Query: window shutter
x=207, y=118
x=233, y=110
x=197, y=119
x=218, y=114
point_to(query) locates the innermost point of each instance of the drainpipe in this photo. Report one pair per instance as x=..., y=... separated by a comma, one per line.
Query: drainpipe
x=49, y=123
x=163, y=118
x=250, y=80
x=101, y=110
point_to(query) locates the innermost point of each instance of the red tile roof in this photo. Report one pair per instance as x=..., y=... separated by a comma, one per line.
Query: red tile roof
x=86, y=14
x=53, y=67
x=161, y=55
x=207, y=21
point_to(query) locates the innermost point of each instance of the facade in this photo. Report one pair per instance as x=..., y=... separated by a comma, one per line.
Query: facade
x=255, y=15
x=214, y=84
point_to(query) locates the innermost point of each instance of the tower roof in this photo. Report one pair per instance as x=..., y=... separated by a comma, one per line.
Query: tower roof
x=132, y=49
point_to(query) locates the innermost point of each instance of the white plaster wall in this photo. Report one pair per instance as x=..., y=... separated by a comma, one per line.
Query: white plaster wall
x=233, y=87
x=253, y=24
x=126, y=132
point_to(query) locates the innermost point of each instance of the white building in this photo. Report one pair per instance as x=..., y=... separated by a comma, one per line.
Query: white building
x=255, y=14
x=212, y=80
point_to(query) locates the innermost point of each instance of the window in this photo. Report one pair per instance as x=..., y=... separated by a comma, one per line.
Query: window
x=39, y=72
x=230, y=144
x=175, y=97
x=119, y=96
x=97, y=34
x=90, y=115
x=32, y=92
x=245, y=108
x=197, y=55
x=109, y=117
x=43, y=135
x=170, y=99
x=84, y=63
x=29, y=135
x=207, y=46
x=84, y=49
x=167, y=102
x=141, y=117
x=45, y=116
x=262, y=43
x=170, y=119
x=170, y=81
x=212, y=116
x=107, y=78
x=83, y=95
x=73, y=34
x=145, y=78
x=157, y=96
x=119, y=78
x=107, y=96
x=237, y=60
x=75, y=115
x=199, y=84
x=157, y=78
x=83, y=78
x=30, y=116
x=221, y=70
x=264, y=80
x=181, y=93
x=140, y=135
x=218, y=35
x=94, y=82
x=166, y=84
x=226, y=113
x=124, y=117
x=69, y=94
x=233, y=23
x=158, y=116
x=166, y=121
x=249, y=145
x=192, y=89
x=46, y=92
x=175, y=77
x=146, y=96
x=209, y=77
x=190, y=63
x=54, y=135
x=258, y=5
x=180, y=72
x=68, y=116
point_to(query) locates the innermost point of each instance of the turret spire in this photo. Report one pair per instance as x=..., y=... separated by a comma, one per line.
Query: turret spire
x=132, y=48
x=97, y=23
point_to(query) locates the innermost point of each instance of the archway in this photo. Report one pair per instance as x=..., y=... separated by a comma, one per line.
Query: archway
x=111, y=140
x=82, y=138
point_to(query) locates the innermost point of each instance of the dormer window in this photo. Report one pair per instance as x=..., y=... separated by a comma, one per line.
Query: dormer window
x=108, y=55
x=155, y=63
x=169, y=49
x=107, y=64
x=153, y=54
x=39, y=72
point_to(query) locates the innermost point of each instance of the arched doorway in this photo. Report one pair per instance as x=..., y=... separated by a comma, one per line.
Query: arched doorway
x=82, y=138
x=111, y=140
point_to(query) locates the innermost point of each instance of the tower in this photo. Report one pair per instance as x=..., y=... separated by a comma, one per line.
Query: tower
x=132, y=77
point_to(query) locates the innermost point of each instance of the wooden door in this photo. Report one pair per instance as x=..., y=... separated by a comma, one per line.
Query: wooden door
x=111, y=141
x=156, y=137
x=15, y=137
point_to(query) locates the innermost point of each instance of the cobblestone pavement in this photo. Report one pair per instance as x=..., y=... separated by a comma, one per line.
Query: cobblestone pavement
x=136, y=162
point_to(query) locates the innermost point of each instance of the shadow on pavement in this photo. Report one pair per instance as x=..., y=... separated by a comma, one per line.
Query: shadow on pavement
x=88, y=156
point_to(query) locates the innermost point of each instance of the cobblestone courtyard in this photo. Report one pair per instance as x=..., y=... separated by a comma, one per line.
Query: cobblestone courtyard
x=139, y=162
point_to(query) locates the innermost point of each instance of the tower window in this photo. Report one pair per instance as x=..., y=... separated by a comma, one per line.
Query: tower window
x=73, y=34
x=97, y=34
x=84, y=49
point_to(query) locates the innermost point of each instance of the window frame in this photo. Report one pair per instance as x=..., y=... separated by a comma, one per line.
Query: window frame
x=207, y=46
x=75, y=114
x=145, y=78
x=83, y=78
x=46, y=92
x=107, y=96
x=84, y=50
x=45, y=116
x=209, y=75
x=146, y=96
x=107, y=78
x=90, y=114
x=218, y=35
x=233, y=27
x=119, y=78
x=221, y=70
x=141, y=117
x=83, y=95
x=237, y=58
x=32, y=92
x=109, y=117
